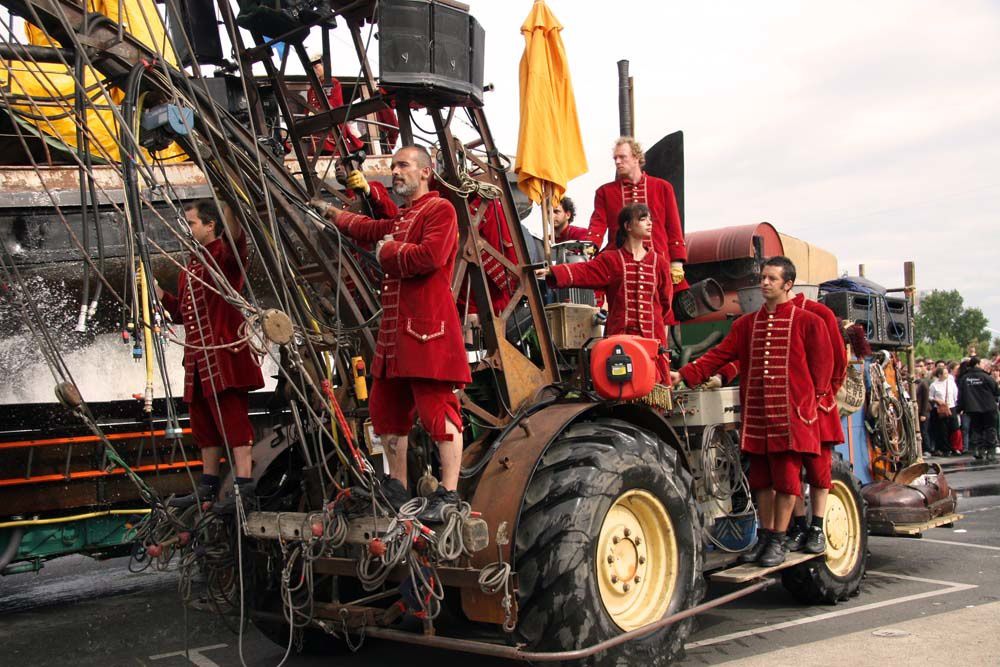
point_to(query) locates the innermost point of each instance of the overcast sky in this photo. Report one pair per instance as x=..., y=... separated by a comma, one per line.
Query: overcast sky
x=871, y=129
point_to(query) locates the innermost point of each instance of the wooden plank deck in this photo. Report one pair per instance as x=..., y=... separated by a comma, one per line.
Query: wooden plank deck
x=744, y=573
x=911, y=529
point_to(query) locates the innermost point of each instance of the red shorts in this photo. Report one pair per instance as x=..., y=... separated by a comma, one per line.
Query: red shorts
x=396, y=402
x=222, y=419
x=777, y=470
x=818, y=467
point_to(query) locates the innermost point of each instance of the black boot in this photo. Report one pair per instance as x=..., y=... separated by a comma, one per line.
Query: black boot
x=774, y=552
x=440, y=500
x=395, y=493
x=815, y=540
x=201, y=493
x=248, y=498
x=754, y=553
x=796, y=539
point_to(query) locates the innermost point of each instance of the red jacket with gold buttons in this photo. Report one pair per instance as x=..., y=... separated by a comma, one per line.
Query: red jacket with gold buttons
x=420, y=335
x=787, y=362
x=210, y=321
x=658, y=195
x=638, y=294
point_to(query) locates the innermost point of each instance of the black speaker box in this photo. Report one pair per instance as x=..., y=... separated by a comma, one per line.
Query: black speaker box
x=897, y=322
x=197, y=20
x=861, y=308
x=431, y=50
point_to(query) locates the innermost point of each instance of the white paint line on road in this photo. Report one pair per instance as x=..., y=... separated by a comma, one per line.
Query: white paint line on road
x=194, y=655
x=951, y=587
x=961, y=544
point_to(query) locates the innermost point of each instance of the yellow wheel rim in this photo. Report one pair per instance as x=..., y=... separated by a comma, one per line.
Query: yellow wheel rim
x=843, y=530
x=636, y=560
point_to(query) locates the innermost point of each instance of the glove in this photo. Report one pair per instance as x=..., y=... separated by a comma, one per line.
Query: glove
x=320, y=204
x=714, y=382
x=357, y=181
x=677, y=272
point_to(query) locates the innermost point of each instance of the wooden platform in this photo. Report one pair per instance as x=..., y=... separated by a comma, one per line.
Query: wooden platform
x=744, y=573
x=911, y=529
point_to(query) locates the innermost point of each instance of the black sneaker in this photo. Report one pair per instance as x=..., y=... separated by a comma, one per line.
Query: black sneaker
x=395, y=493
x=753, y=554
x=774, y=552
x=227, y=506
x=433, y=512
x=815, y=541
x=796, y=540
x=201, y=493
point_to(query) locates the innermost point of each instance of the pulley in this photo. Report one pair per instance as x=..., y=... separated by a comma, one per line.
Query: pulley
x=277, y=326
x=69, y=395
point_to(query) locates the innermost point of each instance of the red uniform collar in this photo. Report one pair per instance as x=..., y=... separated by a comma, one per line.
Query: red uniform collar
x=642, y=179
x=799, y=300
x=782, y=309
x=420, y=201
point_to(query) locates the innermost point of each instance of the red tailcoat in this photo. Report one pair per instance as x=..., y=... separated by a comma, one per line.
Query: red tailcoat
x=493, y=230
x=573, y=233
x=658, y=195
x=420, y=336
x=790, y=363
x=638, y=294
x=335, y=97
x=831, y=431
x=209, y=320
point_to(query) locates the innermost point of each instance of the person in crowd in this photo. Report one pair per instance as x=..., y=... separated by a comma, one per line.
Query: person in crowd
x=923, y=379
x=636, y=279
x=977, y=397
x=334, y=98
x=219, y=371
x=633, y=185
x=563, y=215
x=786, y=359
x=944, y=426
x=420, y=357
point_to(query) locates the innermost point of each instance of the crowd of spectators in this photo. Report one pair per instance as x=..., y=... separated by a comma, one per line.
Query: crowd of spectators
x=958, y=406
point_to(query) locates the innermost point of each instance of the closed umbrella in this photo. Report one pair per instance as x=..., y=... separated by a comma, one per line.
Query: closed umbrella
x=549, y=145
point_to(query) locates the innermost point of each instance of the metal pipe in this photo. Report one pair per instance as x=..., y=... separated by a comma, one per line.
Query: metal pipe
x=515, y=653
x=28, y=53
x=624, y=100
x=15, y=543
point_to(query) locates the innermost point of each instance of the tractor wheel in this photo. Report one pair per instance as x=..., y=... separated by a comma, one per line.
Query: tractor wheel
x=609, y=540
x=838, y=575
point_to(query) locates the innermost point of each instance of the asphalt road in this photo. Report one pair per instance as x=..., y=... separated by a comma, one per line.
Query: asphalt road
x=81, y=612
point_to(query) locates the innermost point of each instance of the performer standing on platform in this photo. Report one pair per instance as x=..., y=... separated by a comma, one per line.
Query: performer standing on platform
x=420, y=357
x=787, y=364
x=636, y=279
x=632, y=185
x=218, y=373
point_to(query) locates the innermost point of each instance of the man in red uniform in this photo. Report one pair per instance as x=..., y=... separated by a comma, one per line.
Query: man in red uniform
x=563, y=215
x=218, y=373
x=632, y=185
x=420, y=356
x=787, y=363
x=335, y=98
x=803, y=535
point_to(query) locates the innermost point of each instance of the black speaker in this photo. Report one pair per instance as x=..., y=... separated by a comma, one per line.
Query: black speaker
x=861, y=308
x=197, y=20
x=666, y=160
x=430, y=50
x=897, y=322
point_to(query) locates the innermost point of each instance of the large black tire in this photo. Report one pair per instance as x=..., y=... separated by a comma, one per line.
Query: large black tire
x=578, y=480
x=814, y=582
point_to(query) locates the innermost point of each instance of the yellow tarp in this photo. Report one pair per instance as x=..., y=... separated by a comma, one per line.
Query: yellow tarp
x=549, y=145
x=50, y=86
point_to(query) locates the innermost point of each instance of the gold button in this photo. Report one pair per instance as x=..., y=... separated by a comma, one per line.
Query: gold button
x=770, y=317
x=765, y=362
x=768, y=335
x=766, y=352
x=765, y=371
x=424, y=337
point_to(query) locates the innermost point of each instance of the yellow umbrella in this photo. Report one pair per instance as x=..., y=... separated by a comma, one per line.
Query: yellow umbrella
x=549, y=146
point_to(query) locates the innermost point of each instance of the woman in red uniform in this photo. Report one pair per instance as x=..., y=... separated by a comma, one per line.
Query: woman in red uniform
x=635, y=277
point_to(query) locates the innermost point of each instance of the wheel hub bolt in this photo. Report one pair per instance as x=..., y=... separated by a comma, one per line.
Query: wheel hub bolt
x=627, y=532
x=611, y=560
x=625, y=588
x=614, y=579
x=642, y=560
x=637, y=540
x=615, y=539
x=636, y=580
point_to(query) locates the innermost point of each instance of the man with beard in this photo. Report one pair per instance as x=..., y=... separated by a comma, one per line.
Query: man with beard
x=420, y=356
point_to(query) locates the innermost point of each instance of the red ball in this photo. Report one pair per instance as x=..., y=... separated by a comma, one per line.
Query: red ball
x=376, y=547
x=317, y=529
x=154, y=550
x=183, y=538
